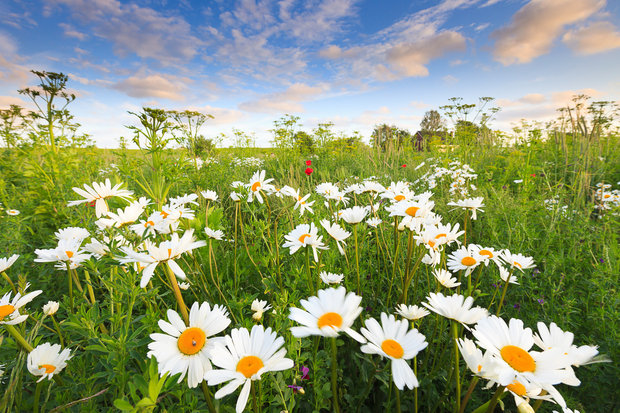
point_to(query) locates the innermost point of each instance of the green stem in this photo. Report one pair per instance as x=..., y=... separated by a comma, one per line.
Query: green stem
x=208, y=397
x=397, y=400
x=70, y=281
x=18, y=338
x=335, y=375
x=177, y=293
x=495, y=399
x=6, y=277
x=57, y=327
x=470, y=390
x=455, y=335
x=357, y=258
x=415, y=389
x=37, y=397
x=254, y=401
x=501, y=300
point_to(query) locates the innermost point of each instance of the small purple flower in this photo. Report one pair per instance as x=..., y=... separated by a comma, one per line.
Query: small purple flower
x=368, y=308
x=503, y=186
x=541, y=301
x=304, y=372
x=517, y=306
x=296, y=388
x=601, y=260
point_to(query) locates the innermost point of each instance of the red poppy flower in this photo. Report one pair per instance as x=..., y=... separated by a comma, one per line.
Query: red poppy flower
x=308, y=162
x=309, y=171
x=404, y=165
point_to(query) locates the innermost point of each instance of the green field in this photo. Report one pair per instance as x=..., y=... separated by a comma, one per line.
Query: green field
x=544, y=197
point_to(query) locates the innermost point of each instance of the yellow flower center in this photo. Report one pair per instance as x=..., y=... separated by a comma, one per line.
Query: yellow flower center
x=6, y=310
x=487, y=253
x=330, y=320
x=249, y=365
x=516, y=264
x=518, y=359
x=432, y=244
x=440, y=235
x=303, y=238
x=149, y=223
x=399, y=198
x=69, y=254
x=468, y=261
x=392, y=348
x=255, y=186
x=517, y=388
x=164, y=214
x=48, y=368
x=191, y=341
x=169, y=252
x=479, y=368
x=411, y=211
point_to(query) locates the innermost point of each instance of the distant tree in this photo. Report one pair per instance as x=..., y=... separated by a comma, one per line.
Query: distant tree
x=284, y=131
x=432, y=122
x=52, y=87
x=304, y=142
x=187, y=130
x=11, y=125
x=389, y=137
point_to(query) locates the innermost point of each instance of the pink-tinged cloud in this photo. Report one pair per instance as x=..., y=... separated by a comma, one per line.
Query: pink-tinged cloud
x=410, y=59
x=595, y=38
x=533, y=28
x=287, y=101
x=154, y=86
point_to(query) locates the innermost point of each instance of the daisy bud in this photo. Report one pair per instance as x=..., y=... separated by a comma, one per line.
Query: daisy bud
x=50, y=308
x=259, y=307
x=184, y=286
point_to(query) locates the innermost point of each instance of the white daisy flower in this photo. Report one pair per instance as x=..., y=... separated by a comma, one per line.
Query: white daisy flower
x=167, y=251
x=98, y=193
x=259, y=307
x=445, y=278
x=337, y=233
x=303, y=204
x=215, y=234
x=209, y=195
x=185, y=348
x=511, y=345
x=327, y=314
x=455, y=307
x=12, y=212
x=354, y=215
x=75, y=234
x=517, y=260
x=243, y=357
x=504, y=274
x=465, y=258
x=50, y=308
x=484, y=366
x=126, y=216
x=472, y=204
x=5, y=263
x=411, y=312
x=331, y=278
x=304, y=235
x=393, y=339
x=9, y=309
x=259, y=184
x=374, y=222
x=184, y=199
x=47, y=359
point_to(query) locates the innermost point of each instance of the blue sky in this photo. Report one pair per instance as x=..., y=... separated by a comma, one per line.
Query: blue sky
x=353, y=63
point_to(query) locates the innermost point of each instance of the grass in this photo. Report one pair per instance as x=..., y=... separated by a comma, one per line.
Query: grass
x=574, y=285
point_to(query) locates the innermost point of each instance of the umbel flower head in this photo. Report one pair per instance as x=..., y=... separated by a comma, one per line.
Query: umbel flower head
x=185, y=348
x=9, y=309
x=242, y=357
x=327, y=314
x=47, y=359
x=393, y=339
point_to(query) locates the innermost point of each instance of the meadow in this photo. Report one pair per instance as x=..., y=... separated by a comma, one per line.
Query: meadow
x=470, y=276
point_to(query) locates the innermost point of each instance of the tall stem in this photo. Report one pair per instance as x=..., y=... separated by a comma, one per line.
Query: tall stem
x=177, y=293
x=357, y=258
x=455, y=335
x=494, y=399
x=501, y=300
x=335, y=375
x=470, y=390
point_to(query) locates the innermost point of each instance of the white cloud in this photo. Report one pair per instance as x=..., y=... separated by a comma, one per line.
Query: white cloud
x=154, y=86
x=595, y=38
x=6, y=101
x=410, y=59
x=533, y=29
x=134, y=29
x=287, y=101
x=69, y=31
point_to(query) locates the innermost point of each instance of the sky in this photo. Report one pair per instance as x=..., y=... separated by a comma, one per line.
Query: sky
x=353, y=63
